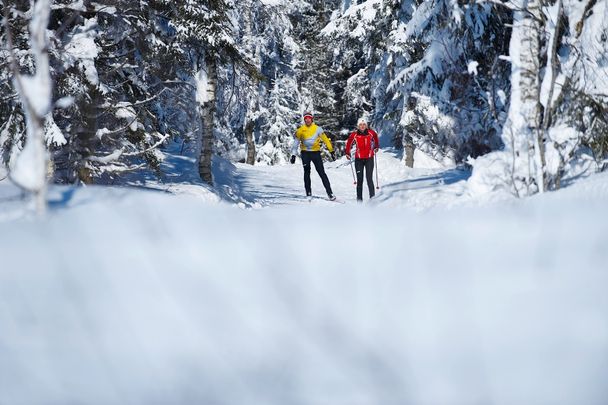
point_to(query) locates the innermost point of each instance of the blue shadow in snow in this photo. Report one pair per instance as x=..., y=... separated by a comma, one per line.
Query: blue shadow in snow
x=437, y=180
x=65, y=197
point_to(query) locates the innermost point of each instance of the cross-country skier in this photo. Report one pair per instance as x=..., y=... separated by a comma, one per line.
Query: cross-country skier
x=308, y=139
x=366, y=143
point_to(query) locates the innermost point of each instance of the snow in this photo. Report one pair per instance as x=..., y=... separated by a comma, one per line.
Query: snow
x=64, y=102
x=126, y=112
x=506, y=168
x=82, y=45
x=82, y=51
x=101, y=132
x=107, y=159
x=129, y=296
x=364, y=14
x=592, y=41
x=472, y=67
x=490, y=174
x=202, y=83
x=79, y=6
x=29, y=169
x=52, y=132
x=3, y=172
x=443, y=289
x=37, y=90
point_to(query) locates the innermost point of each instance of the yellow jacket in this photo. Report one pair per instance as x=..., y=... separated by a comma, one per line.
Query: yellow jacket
x=309, y=138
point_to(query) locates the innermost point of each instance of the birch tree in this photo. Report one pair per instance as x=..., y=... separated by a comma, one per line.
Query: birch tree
x=525, y=96
x=30, y=168
x=206, y=91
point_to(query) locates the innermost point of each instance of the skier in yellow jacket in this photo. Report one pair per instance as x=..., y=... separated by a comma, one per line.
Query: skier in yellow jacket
x=308, y=139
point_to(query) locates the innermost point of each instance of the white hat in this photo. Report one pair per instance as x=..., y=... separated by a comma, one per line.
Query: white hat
x=361, y=121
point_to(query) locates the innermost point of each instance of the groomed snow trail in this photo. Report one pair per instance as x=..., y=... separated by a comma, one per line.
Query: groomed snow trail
x=267, y=186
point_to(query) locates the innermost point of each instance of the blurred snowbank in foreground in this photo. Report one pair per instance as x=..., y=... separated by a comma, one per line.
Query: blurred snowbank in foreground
x=132, y=297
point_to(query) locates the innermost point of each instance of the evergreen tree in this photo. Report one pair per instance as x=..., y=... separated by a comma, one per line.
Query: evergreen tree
x=314, y=73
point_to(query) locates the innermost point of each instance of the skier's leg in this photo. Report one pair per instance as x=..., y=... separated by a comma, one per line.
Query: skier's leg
x=359, y=164
x=318, y=161
x=369, y=174
x=306, y=158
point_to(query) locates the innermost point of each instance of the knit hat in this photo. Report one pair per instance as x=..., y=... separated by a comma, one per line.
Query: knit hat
x=361, y=121
x=308, y=115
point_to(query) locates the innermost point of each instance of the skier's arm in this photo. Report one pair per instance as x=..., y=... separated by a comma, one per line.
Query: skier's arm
x=327, y=142
x=296, y=144
x=376, y=141
x=349, y=144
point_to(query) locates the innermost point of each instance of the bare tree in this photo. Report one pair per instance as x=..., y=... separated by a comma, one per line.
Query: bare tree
x=207, y=108
x=547, y=118
x=249, y=126
x=532, y=32
x=30, y=169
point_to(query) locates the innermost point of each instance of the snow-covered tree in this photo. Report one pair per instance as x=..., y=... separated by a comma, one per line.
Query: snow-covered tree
x=281, y=118
x=450, y=77
x=573, y=89
x=273, y=100
x=111, y=61
x=436, y=76
x=428, y=73
x=29, y=169
x=356, y=35
x=12, y=118
x=556, y=127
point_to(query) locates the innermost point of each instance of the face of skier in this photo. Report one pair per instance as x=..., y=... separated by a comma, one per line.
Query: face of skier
x=308, y=121
x=362, y=126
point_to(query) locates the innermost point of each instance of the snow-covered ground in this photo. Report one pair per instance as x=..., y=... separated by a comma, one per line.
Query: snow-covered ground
x=426, y=295
x=428, y=185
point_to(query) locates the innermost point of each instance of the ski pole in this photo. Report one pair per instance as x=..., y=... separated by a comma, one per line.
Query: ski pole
x=376, y=162
x=352, y=171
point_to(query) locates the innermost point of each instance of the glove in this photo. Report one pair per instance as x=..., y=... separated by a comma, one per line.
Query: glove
x=333, y=156
x=376, y=150
x=293, y=159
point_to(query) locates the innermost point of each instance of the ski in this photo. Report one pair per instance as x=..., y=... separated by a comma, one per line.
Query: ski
x=311, y=198
x=335, y=201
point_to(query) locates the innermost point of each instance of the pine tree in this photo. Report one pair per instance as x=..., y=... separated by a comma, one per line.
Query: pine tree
x=280, y=121
x=314, y=73
x=12, y=116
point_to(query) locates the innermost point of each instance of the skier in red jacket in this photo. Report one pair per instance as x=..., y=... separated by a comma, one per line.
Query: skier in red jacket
x=366, y=143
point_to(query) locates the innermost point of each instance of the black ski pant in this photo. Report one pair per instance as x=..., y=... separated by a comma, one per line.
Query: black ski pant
x=368, y=165
x=315, y=158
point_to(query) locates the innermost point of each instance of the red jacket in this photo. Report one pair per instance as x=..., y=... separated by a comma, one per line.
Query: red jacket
x=366, y=143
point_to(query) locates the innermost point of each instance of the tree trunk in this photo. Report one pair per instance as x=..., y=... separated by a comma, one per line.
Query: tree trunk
x=554, y=72
x=250, y=143
x=207, y=119
x=523, y=129
x=86, y=141
x=409, y=148
x=532, y=32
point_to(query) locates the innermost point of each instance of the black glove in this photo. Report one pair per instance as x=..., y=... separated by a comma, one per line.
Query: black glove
x=333, y=156
x=293, y=159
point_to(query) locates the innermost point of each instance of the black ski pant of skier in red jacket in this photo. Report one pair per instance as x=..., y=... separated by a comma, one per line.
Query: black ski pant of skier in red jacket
x=315, y=158
x=368, y=165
